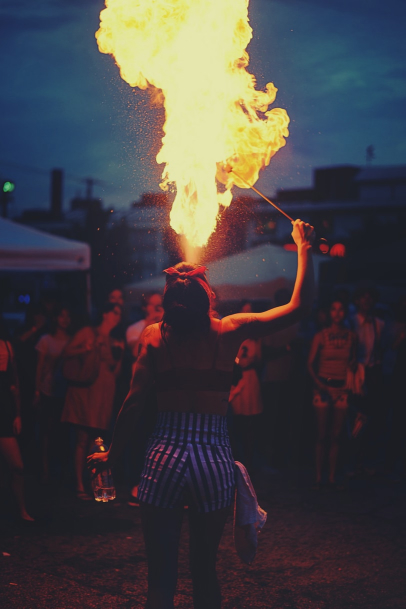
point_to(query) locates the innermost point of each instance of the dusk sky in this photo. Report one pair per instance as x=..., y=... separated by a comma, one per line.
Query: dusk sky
x=339, y=66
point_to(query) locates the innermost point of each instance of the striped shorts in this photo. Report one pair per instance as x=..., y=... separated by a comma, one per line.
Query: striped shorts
x=188, y=452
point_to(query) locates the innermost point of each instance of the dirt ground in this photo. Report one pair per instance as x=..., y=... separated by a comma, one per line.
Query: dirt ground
x=318, y=550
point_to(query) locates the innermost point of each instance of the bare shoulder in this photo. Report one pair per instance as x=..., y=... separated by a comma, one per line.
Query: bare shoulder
x=151, y=335
x=149, y=341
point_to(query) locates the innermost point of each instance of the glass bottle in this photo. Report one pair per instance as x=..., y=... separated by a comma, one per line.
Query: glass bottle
x=102, y=483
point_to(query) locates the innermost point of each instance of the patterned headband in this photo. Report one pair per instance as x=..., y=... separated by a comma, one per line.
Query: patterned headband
x=198, y=273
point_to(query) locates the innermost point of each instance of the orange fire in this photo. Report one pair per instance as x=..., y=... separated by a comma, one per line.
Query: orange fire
x=194, y=52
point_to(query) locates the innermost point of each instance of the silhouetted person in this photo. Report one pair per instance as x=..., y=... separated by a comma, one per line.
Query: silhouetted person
x=332, y=354
x=369, y=329
x=10, y=421
x=246, y=400
x=280, y=403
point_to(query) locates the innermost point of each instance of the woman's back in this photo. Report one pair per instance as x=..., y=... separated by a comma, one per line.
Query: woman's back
x=192, y=373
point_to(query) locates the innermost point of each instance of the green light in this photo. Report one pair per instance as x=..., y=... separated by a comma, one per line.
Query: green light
x=8, y=187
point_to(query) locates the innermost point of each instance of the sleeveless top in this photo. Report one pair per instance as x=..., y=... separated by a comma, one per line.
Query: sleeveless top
x=188, y=378
x=335, y=353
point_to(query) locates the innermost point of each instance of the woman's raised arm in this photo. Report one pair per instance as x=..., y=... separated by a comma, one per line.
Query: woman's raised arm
x=255, y=325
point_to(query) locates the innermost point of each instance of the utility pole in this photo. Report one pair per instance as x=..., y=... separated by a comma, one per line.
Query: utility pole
x=89, y=188
x=369, y=154
x=56, y=193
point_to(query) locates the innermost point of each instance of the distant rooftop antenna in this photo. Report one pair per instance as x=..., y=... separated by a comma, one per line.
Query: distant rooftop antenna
x=369, y=154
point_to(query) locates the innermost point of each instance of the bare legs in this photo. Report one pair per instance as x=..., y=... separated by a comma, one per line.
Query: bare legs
x=339, y=415
x=321, y=420
x=205, y=534
x=11, y=452
x=338, y=419
x=161, y=528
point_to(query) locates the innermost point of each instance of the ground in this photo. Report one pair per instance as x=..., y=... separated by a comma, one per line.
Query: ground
x=319, y=550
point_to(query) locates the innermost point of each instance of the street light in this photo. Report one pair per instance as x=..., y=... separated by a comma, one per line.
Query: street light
x=7, y=187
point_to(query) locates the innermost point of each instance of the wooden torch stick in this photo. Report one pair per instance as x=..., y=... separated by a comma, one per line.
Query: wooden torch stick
x=261, y=195
x=323, y=244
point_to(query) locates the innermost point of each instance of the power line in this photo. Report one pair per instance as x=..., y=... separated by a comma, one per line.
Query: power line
x=68, y=176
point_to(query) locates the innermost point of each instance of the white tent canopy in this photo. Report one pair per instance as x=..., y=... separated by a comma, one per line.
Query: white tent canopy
x=252, y=274
x=27, y=249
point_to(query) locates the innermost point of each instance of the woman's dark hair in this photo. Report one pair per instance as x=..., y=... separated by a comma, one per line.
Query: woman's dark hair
x=53, y=326
x=366, y=290
x=108, y=307
x=186, y=301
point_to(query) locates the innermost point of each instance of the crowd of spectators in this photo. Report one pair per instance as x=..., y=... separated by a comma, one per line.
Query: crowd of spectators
x=328, y=393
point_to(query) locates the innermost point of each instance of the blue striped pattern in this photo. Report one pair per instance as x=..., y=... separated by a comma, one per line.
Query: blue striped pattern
x=188, y=451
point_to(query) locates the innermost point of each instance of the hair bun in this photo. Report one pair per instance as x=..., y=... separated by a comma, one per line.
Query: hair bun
x=187, y=299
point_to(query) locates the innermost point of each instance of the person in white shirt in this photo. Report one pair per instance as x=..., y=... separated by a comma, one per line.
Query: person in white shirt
x=153, y=311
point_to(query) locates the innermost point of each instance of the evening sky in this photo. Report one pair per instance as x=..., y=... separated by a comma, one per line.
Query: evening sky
x=339, y=66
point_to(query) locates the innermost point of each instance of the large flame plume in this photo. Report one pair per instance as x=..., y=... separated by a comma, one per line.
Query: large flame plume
x=194, y=51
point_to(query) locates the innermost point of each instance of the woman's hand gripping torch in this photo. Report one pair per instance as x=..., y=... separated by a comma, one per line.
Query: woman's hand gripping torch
x=321, y=242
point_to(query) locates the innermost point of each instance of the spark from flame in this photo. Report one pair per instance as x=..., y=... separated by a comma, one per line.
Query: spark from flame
x=194, y=52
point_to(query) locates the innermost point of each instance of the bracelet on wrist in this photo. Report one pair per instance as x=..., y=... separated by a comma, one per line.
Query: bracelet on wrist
x=305, y=247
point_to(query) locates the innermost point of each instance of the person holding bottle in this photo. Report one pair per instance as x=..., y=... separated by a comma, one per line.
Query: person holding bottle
x=89, y=406
x=189, y=358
